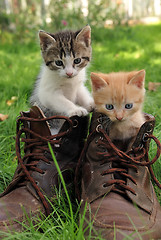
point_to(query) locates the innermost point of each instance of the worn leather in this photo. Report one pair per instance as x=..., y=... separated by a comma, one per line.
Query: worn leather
x=108, y=208
x=20, y=197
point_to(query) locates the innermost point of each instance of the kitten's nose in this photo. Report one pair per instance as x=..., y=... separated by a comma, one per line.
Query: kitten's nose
x=119, y=118
x=69, y=74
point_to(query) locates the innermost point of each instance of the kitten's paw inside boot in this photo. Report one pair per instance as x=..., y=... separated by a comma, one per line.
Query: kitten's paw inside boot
x=90, y=106
x=79, y=111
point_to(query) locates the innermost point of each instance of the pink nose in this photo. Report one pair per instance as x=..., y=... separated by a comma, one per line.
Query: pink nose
x=119, y=118
x=69, y=74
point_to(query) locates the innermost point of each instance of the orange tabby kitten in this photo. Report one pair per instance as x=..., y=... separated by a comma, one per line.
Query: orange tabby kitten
x=120, y=96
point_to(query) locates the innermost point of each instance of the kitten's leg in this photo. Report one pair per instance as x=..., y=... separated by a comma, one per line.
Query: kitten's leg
x=59, y=103
x=84, y=98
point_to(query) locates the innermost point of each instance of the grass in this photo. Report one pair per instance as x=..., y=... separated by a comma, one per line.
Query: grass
x=125, y=48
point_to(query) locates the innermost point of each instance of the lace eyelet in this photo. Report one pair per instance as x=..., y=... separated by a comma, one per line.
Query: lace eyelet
x=141, y=146
x=37, y=183
x=75, y=123
x=150, y=128
x=100, y=138
x=99, y=119
x=145, y=137
x=99, y=126
x=57, y=145
x=104, y=185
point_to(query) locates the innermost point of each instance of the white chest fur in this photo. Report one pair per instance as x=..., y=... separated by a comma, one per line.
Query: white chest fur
x=62, y=94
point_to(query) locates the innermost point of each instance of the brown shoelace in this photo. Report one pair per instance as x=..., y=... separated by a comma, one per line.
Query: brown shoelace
x=40, y=143
x=121, y=160
x=124, y=159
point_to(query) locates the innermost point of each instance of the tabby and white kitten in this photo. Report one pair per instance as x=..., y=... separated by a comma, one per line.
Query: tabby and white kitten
x=59, y=89
x=120, y=96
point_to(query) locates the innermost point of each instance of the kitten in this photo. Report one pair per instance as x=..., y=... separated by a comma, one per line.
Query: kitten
x=120, y=96
x=59, y=89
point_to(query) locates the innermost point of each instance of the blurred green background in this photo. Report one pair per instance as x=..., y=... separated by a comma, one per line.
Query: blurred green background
x=26, y=16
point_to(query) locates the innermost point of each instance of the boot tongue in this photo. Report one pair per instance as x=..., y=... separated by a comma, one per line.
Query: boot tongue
x=40, y=128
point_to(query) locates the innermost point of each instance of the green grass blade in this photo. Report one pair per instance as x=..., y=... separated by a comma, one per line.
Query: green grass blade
x=63, y=182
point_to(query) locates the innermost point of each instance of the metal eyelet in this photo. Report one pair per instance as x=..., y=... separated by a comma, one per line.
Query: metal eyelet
x=37, y=183
x=75, y=123
x=150, y=129
x=145, y=137
x=57, y=145
x=100, y=138
x=136, y=171
x=104, y=185
x=141, y=146
x=99, y=119
x=99, y=126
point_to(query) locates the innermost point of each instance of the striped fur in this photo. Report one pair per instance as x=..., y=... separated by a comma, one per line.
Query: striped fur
x=66, y=43
x=59, y=89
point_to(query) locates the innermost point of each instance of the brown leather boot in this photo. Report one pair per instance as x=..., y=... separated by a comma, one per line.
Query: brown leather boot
x=36, y=177
x=116, y=183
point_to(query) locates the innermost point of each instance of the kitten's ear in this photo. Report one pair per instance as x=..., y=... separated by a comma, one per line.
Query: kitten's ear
x=97, y=82
x=138, y=79
x=45, y=40
x=85, y=36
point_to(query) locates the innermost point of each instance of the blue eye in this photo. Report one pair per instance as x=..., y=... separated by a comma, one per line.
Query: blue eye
x=59, y=63
x=77, y=60
x=128, y=105
x=109, y=106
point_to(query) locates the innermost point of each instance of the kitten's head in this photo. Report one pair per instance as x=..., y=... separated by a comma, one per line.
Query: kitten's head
x=118, y=95
x=66, y=52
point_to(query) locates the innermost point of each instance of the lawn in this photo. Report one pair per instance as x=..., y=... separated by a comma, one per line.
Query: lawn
x=119, y=49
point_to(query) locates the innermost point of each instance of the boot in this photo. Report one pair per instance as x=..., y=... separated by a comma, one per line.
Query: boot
x=32, y=189
x=116, y=183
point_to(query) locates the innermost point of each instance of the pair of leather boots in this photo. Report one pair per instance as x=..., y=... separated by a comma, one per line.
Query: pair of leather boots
x=112, y=179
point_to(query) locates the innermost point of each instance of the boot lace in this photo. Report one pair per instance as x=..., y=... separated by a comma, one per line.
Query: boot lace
x=124, y=160
x=31, y=158
x=121, y=161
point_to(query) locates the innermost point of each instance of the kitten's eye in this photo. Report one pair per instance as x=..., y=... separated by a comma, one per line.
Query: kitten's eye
x=128, y=105
x=109, y=106
x=59, y=63
x=77, y=60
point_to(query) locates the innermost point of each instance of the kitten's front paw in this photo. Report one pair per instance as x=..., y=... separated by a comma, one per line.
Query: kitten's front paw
x=79, y=111
x=90, y=106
